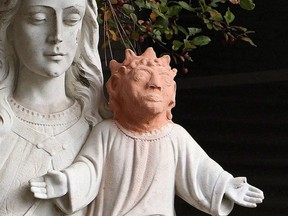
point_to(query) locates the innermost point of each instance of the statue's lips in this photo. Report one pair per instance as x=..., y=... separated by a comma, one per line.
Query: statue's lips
x=153, y=98
x=54, y=56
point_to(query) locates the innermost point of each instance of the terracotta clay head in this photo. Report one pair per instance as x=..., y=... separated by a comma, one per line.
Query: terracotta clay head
x=142, y=87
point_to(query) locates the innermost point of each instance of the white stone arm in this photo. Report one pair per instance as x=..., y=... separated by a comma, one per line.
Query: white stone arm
x=52, y=185
x=242, y=193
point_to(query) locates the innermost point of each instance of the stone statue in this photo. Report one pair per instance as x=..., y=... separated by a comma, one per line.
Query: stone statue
x=50, y=94
x=135, y=163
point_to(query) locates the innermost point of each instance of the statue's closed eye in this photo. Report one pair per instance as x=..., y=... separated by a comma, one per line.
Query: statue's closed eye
x=37, y=18
x=72, y=19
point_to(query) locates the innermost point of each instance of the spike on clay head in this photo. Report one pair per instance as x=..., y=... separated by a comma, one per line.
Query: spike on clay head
x=131, y=56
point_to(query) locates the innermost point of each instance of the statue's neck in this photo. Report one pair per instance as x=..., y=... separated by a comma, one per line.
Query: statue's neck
x=40, y=93
x=144, y=124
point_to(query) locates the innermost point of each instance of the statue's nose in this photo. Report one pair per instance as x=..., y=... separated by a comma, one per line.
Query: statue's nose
x=155, y=82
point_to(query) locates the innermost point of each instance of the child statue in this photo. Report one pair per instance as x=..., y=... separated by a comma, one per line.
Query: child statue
x=136, y=163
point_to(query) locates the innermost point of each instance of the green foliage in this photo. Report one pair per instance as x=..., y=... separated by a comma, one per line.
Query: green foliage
x=247, y=4
x=132, y=22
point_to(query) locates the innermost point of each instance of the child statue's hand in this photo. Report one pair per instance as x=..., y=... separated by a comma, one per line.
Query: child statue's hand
x=52, y=185
x=243, y=193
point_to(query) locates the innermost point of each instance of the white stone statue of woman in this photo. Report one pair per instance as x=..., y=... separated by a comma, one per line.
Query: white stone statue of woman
x=50, y=94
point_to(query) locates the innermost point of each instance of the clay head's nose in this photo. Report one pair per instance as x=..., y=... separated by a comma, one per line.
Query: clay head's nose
x=155, y=81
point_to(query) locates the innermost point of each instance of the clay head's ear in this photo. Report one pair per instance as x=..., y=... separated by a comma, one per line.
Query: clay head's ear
x=172, y=103
x=114, y=83
x=113, y=89
x=173, y=96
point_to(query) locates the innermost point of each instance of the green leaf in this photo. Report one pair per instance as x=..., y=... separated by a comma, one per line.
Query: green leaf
x=186, y=6
x=159, y=38
x=215, y=15
x=239, y=28
x=218, y=26
x=188, y=45
x=168, y=33
x=161, y=15
x=142, y=28
x=134, y=17
x=209, y=26
x=154, y=6
x=156, y=32
x=206, y=20
x=193, y=31
x=249, y=32
x=158, y=27
x=247, y=4
x=229, y=16
x=247, y=39
x=226, y=36
x=163, y=2
x=128, y=8
x=163, y=8
x=140, y=3
x=177, y=44
x=203, y=5
x=148, y=4
x=163, y=22
x=100, y=21
x=175, y=29
x=214, y=3
x=201, y=40
x=174, y=11
x=157, y=35
x=182, y=29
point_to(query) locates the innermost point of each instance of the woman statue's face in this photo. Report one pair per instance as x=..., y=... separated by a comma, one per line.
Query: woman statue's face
x=45, y=34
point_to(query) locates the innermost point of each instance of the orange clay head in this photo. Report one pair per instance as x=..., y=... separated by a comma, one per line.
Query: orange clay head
x=142, y=87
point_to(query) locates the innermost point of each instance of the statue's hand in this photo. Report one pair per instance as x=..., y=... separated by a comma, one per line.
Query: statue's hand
x=242, y=193
x=52, y=185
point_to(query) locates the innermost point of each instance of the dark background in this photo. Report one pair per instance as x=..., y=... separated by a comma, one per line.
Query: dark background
x=234, y=103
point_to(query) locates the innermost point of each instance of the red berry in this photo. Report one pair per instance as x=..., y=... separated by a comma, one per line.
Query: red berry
x=141, y=38
x=128, y=27
x=186, y=55
x=120, y=3
x=147, y=23
x=184, y=70
x=148, y=28
x=231, y=40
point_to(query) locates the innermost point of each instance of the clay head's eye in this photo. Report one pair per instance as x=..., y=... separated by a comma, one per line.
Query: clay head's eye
x=141, y=75
x=167, y=80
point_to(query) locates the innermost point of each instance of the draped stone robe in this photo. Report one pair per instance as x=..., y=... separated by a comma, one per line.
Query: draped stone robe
x=134, y=174
x=37, y=143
